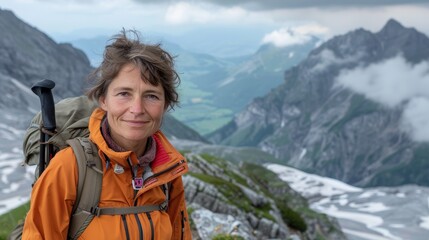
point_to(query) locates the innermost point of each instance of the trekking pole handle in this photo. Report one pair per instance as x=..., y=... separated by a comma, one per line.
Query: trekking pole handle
x=43, y=90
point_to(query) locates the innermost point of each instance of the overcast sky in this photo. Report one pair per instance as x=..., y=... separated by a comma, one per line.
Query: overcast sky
x=77, y=18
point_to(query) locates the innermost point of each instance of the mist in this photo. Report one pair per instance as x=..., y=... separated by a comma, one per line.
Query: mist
x=393, y=83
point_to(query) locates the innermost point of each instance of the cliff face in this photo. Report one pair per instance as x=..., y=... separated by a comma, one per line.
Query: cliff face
x=315, y=124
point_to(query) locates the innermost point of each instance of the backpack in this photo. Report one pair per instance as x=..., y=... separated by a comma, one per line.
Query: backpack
x=72, y=118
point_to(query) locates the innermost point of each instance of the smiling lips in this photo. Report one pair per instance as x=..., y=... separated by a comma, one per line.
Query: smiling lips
x=136, y=123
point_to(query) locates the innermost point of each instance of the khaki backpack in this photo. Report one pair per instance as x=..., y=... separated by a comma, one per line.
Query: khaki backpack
x=72, y=118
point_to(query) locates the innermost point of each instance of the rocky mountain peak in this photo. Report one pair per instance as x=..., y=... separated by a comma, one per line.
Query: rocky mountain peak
x=392, y=28
x=397, y=39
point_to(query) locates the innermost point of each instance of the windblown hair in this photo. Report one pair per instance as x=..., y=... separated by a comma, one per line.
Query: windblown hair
x=155, y=64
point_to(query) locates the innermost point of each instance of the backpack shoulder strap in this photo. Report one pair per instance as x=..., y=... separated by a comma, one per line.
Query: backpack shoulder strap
x=88, y=195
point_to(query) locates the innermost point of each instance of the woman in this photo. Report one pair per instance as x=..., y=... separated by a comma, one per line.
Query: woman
x=134, y=86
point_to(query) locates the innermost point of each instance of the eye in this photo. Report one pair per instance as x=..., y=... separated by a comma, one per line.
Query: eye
x=152, y=97
x=122, y=94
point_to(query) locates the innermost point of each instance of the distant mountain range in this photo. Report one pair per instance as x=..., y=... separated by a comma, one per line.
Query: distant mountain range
x=315, y=122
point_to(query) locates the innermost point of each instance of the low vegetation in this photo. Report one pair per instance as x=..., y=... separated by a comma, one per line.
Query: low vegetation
x=10, y=220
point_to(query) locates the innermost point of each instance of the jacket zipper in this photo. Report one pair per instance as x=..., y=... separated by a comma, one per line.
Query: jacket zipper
x=151, y=226
x=166, y=170
x=124, y=221
x=139, y=226
x=138, y=220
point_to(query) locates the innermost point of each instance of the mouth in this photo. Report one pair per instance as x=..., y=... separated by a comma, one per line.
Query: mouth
x=136, y=123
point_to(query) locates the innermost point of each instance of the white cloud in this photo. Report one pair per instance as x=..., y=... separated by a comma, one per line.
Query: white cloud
x=327, y=58
x=416, y=118
x=341, y=20
x=392, y=83
x=294, y=35
x=185, y=13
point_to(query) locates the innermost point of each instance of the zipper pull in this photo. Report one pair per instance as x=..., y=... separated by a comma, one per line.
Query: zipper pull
x=137, y=182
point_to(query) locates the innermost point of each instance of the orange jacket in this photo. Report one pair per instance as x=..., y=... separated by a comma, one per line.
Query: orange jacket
x=54, y=194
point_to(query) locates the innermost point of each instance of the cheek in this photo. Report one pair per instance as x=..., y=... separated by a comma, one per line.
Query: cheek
x=158, y=114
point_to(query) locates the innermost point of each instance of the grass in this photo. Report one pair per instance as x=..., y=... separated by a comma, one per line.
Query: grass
x=227, y=237
x=235, y=196
x=268, y=179
x=10, y=220
x=293, y=208
x=224, y=165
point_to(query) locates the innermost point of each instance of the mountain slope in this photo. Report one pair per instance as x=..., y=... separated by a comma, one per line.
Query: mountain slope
x=257, y=75
x=318, y=125
x=28, y=55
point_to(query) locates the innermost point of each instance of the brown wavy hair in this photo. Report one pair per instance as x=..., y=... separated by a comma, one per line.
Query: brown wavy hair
x=156, y=66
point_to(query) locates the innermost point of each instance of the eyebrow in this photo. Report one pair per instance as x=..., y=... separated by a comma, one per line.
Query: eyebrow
x=122, y=89
x=118, y=89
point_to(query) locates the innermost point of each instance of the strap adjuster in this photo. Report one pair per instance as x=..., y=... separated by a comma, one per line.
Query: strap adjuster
x=163, y=206
x=96, y=211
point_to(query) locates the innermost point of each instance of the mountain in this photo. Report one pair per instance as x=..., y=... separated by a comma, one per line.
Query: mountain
x=256, y=75
x=234, y=86
x=27, y=56
x=316, y=123
x=173, y=128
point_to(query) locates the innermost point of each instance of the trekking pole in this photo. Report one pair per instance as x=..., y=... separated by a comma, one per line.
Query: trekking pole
x=43, y=90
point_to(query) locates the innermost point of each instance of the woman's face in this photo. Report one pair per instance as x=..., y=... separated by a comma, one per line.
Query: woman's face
x=134, y=108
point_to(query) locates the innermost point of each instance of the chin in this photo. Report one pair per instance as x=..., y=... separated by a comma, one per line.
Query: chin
x=139, y=137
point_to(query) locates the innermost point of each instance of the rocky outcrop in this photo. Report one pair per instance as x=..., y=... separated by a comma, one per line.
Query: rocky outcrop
x=224, y=198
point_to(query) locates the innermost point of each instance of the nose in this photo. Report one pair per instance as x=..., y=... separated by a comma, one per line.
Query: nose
x=137, y=106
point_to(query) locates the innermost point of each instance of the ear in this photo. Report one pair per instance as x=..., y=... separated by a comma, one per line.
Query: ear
x=102, y=103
